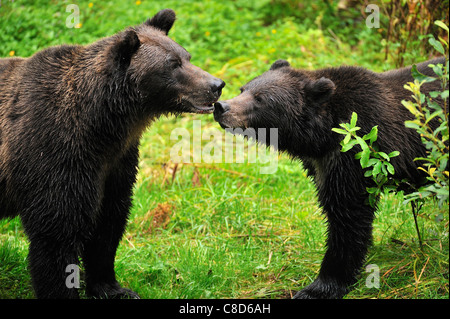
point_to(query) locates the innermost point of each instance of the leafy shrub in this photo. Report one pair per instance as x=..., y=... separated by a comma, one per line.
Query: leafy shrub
x=425, y=110
x=375, y=162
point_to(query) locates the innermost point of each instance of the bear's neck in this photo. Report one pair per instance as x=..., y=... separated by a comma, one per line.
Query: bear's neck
x=109, y=112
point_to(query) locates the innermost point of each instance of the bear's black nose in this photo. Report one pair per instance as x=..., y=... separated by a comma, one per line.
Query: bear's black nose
x=217, y=86
x=221, y=107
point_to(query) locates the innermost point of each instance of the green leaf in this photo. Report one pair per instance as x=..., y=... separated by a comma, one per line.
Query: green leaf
x=354, y=129
x=413, y=125
x=432, y=116
x=438, y=70
x=340, y=131
x=381, y=178
x=442, y=191
x=383, y=169
x=441, y=24
x=439, y=218
x=365, y=157
x=372, y=199
x=363, y=143
x=443, y=164
x=347, y=139
x=437, y=45
x=394, y=154
x=348, y=146
x=353, y=119
x=412, y=107
x=390, y=168
x=372, y=135
x=389, y=188
x=419, y=76
x=426, y=159
x=434, y=94
x=384, y=155
x=377, y=169
x=372, y=161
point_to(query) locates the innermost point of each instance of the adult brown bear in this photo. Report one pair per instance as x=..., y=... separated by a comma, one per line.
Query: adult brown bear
x=70, y=122
x=304, y=106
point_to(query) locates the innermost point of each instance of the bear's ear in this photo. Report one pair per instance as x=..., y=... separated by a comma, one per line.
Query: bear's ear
x=279, y=64
x=320, y=90
x=163, y=20
x=123, y=49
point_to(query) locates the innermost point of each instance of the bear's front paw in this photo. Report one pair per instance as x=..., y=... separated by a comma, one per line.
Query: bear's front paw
x=111, y=291
x=321, y=290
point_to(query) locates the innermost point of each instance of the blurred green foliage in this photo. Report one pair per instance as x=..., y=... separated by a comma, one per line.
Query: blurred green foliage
x=236, y=40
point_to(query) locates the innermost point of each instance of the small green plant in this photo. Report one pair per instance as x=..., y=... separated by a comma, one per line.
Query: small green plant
x=426, y=110
x=434, y=136
x=375, y=162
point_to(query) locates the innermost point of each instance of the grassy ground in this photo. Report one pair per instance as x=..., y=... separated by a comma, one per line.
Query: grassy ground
x=225, y=230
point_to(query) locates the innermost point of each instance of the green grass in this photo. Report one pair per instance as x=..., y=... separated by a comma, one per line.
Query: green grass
x=224, y=230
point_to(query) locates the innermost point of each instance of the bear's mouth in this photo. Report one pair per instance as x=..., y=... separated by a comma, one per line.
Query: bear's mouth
x=205, y=108
x=199, y=107
x=224, y=126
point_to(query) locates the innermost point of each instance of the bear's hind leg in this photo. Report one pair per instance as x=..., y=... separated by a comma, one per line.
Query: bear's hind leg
x=55, y=233
x=57, y=218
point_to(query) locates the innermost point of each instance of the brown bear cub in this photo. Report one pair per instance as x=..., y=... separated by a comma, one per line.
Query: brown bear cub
x=70, y=122
x=305, y=106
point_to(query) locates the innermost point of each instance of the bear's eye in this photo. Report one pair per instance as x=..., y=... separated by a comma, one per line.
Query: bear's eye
x=258, y=98
x=175, y=63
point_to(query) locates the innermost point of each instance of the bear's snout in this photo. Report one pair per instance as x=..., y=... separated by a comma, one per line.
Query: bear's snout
x=221, y=107
x=216, y=86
